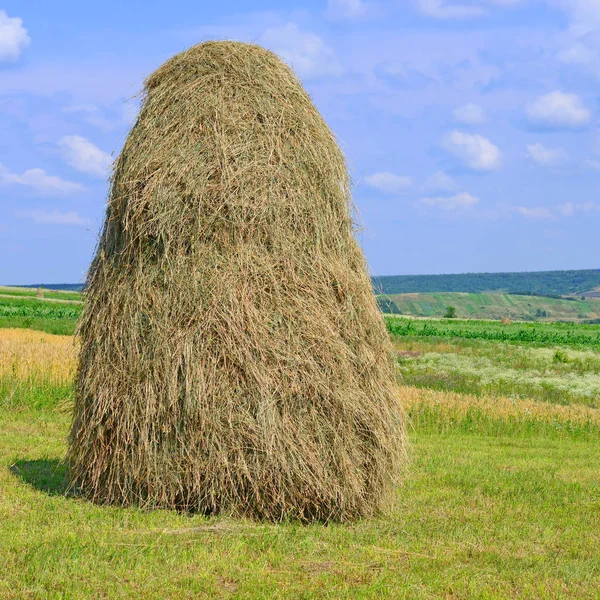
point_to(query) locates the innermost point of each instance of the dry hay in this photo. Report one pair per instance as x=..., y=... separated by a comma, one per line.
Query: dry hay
x=233, y=358
x=39, y=293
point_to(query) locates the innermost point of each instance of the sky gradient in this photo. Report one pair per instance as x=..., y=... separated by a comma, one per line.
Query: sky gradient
x=471, y=127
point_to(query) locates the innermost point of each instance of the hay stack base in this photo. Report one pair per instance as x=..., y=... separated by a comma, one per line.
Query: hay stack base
x=233, y=359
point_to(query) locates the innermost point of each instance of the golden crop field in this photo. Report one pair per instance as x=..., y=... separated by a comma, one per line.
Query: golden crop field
x=36, y=368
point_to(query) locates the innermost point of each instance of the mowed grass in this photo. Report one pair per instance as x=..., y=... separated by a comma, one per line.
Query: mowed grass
x=501, y=500
x=478, y=517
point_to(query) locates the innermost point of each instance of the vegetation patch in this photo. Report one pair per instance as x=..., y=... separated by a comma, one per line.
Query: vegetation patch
x=489, y=306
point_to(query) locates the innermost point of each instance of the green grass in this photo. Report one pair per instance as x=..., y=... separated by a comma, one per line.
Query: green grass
x=478, y=516
x=41, y=315
x=31, y=292
x=496, y=306
x=574, y=335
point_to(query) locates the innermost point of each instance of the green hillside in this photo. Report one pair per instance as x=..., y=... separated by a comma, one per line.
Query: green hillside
x=546, y=283
x=492, y=306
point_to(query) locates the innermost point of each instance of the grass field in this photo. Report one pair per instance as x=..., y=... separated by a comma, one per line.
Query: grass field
x=40, y=314
x=501, y=498
x=541, y=334
x=31, y=293
x=497, y=306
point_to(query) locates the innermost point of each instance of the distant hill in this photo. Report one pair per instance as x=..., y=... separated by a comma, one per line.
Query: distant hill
x=538, y=283
x=492, y=306
x=543, y=283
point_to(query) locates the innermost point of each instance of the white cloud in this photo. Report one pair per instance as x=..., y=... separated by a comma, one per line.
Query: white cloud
x=388, y=182
x=13, y=37
x=580, y=42
x=305, y=52
x=84, y=156
x=475, y=151
x=441, y=181
x=456, y=202
x=546, y=157
x=558, y=110
x=578, y=54
x=584, y=15
x=591, y=164
x=40, y=181
x=346, y=9
x=568, y=209
x=452, y=9
x=470, y=114
x=439, y=9
x=55, y=217
x=538, y=213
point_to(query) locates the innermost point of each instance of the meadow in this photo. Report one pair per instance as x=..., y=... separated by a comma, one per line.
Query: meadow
x=497, y=306
x=501, y=498
x=50, y=315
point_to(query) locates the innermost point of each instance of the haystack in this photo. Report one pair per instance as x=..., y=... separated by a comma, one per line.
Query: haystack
x=233, y=358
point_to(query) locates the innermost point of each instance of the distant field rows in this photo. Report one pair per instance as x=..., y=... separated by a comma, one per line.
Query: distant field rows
x=557, y=334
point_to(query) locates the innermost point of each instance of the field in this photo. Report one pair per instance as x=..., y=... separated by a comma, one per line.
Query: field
x=56, y=313
x=497, y=306
x=24, y=292
x=501, y=498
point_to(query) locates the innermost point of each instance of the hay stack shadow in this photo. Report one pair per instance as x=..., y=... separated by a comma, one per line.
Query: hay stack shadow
x=46, y=475
x=233, y=357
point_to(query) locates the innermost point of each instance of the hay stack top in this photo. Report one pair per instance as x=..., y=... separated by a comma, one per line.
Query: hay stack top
x=229, y=123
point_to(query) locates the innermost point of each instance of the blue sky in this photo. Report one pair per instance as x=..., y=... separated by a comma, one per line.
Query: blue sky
x=471, y=126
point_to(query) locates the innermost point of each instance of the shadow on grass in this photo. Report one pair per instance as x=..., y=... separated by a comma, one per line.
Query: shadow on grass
x=47, y=475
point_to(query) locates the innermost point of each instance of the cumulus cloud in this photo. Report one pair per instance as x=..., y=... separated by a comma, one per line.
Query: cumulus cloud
x=54, y=217
x=346, y=9
x=475, y=151
x=439, y=9
x=546, y=157
x=578, y=54
x=441, y=181
x=304, y=51
x=558, y=110
x=537, y=213
x=449, y=203
x=590, y=163
x=40, y=181
x=388, y=182
x=569, y=209
x=85, y=156
x=470, y=114
x=13, y=37
x=107, y=118
x=580, y=42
